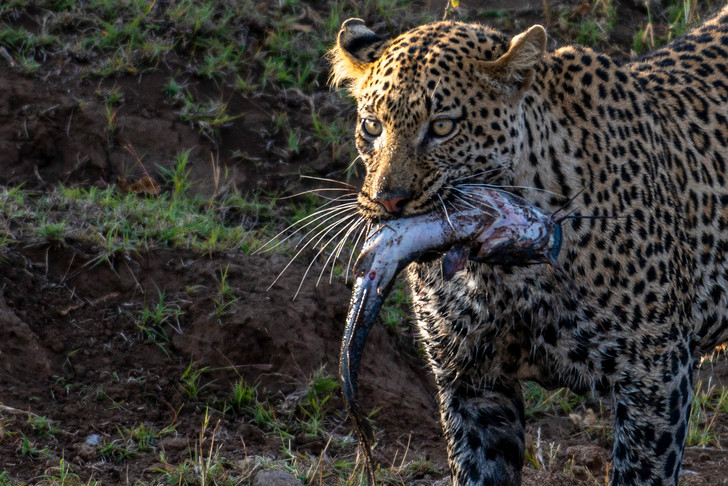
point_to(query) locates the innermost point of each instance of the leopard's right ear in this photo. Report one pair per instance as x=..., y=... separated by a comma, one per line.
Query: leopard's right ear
x=356, y=48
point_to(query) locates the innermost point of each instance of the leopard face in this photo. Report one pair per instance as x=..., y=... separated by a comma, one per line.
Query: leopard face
x=437, y=107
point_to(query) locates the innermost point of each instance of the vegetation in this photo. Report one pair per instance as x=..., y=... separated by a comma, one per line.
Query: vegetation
x=678, y=17
x=114, y=224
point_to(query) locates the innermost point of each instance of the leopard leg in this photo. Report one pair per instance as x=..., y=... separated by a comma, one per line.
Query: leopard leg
x=651, y=419
x=484, y=427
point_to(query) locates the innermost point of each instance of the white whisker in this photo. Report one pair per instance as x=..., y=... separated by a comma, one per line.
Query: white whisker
x=337, y=250
x=447, y=216
x=323, y=248
x=316, y=215
x=357, y=225
x=348, y=168
x=470, y=198
x=312, y=242
x=324, y=179
x=329, y=216
x=320, y=189
x=477, y=174
x=336, y=253
x=363, y=231
x=526, y=188
x=463, y=200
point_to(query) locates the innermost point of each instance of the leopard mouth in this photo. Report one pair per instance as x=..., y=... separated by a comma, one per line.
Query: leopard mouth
x=440, y=200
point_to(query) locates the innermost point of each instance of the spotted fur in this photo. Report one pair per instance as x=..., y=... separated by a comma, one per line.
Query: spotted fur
x=642, y=148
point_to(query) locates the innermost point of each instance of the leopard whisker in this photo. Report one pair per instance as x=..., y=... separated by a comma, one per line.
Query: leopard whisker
x=360, y=225
x=326, y=179
x=312, y=242
x=455, y=193
x=505, y=186
x=569, y=201
x=447, y=216
x=348, y=167
x=467, y=196
x=330, y=214
x=463, y=201
x=317, y=215
x=340, y=245
x=319, y=190
x=337, y=249
x=309, y=242
x=336, y=253
x=322, y=249
x=518, y=200
x=362, y=231
x=472, y=176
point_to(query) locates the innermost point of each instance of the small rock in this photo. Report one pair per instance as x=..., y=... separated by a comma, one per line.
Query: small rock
x=93, y=439
x=587, y=419
x=173, y=443
x=83, y=451
x=250, y=433
x=441, y=482
x=251, y=463
x=580, y=472
x=272, y=477
x=589, y=456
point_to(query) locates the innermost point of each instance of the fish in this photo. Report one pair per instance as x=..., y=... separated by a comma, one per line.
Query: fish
x=496, y=227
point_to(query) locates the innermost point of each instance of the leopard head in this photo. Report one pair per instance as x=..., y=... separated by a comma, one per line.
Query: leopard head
x=438, y=107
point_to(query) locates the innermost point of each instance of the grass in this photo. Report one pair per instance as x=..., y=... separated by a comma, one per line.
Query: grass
x=192, y=381
x=112, y=223
x=396, y=312
x=225, y=297
x=242, y=396
x=155, y=319
x=589, y=24
x=709, y=402
x=539, y=401
x=540, y=456
x=679, y=16
x=61, y=475
x=28, y=449
x=209, y=116
x=42, y=426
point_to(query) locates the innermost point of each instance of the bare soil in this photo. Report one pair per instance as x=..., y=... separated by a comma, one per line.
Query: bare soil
x=70, y=348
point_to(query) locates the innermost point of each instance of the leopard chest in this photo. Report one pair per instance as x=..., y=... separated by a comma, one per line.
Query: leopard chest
x=481, y=319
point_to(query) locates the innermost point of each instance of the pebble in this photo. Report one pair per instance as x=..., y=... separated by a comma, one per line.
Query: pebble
x=93, y=439
x=590, y=456
x=272, y=477
x=174, y=443
x=83, y=451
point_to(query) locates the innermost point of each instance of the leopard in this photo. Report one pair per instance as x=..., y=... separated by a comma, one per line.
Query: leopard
x=635, y=152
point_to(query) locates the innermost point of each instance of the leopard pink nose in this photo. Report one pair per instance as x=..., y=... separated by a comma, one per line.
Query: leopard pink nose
x=393, y=205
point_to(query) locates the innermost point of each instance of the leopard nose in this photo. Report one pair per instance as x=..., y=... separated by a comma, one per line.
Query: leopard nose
x=393, y=205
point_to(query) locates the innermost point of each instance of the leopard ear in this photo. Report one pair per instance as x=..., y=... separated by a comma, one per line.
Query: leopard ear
x=513, y=71
x=356, y=48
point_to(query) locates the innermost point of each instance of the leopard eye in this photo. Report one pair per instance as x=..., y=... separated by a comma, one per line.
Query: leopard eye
x=442, y=127
x=371, y=127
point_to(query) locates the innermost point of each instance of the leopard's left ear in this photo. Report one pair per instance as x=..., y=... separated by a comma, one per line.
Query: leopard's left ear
x=356, y=48
x=513, y=71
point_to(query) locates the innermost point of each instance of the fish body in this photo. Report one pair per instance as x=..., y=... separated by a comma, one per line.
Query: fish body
x=497, y=227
